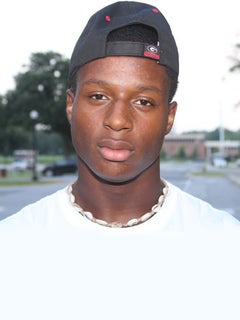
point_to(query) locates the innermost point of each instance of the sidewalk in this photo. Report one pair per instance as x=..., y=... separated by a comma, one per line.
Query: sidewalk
x=230, y=172
x=235, y=177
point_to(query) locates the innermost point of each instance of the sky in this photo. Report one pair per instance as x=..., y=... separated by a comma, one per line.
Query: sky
x=205, y=31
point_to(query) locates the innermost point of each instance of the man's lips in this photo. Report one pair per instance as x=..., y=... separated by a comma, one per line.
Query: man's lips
x=115, y=150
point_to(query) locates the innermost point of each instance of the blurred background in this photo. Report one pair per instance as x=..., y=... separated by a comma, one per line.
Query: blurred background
x=35, y=146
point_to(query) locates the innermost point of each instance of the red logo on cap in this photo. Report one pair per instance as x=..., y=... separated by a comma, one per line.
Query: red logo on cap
x=151, y=55
x=152, y=52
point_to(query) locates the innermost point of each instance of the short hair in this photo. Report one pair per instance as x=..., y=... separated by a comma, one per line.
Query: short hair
x=136, y=33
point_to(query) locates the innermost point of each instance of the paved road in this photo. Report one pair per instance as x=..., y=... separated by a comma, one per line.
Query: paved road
x=12, y=199
x=221, y=192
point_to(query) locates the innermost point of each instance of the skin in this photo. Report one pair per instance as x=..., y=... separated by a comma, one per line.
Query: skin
x=119, y=117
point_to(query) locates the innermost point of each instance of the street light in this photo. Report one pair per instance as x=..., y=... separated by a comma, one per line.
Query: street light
x=34, y=115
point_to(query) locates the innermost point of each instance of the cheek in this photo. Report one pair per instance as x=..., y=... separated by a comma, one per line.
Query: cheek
x=153, y=131
x=85, y=128
x=82, y=120
x=80, y=127
x=151, y=139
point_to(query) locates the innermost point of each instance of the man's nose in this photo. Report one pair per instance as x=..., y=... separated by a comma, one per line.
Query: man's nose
x=118, y=116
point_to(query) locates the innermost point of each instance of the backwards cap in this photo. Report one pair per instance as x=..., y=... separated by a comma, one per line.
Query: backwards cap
x=92, y=43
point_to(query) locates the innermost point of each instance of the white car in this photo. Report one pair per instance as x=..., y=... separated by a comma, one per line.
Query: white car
x=219, y=162
x=19, y=165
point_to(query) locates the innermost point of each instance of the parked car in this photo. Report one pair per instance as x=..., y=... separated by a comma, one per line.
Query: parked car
x=219, y=162
x=60, y=167
x=19, y=165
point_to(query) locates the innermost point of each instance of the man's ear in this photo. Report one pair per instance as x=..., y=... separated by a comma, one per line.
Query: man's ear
x=69, y=105
x=171, y=115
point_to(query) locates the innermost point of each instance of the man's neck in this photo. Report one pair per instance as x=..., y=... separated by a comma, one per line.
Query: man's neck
x=118, y=202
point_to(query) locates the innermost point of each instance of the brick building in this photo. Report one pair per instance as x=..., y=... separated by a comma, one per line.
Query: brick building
x=189, y=145
x=227, y=148
x=194, y=146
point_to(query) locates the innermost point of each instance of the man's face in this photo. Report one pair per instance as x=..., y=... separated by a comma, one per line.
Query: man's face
x=119, y=116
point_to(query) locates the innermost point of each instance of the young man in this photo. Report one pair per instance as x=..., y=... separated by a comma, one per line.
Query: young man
x=106, y=246
x=123, y=76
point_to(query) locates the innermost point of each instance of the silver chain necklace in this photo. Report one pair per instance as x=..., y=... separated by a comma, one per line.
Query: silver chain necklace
x=117, y=224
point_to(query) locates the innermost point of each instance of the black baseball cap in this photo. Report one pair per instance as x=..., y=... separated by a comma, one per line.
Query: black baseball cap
x=92, y=43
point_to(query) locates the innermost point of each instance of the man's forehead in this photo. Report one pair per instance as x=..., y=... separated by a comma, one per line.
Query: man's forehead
x=123, y=71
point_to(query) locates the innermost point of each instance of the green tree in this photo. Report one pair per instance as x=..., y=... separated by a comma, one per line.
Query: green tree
x=163, y=155
x=3, y=134
x=181, y=153
x=11, y=136
x=229, y=135
x=41, y=87
x=49, y=143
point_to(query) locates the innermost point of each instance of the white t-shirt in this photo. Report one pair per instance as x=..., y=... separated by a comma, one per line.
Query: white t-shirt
x=180, y=212
x=183, y=263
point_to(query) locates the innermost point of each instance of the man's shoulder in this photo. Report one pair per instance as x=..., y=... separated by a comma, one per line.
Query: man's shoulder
x=39, y=212
x=195, y=212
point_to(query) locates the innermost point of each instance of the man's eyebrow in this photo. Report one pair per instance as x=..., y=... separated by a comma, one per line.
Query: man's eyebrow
x=149, y=88
x=139, y=88
x=95, y=81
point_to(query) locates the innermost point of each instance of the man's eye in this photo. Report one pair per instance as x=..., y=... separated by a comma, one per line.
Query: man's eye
x=143, y=102
x=98, y=96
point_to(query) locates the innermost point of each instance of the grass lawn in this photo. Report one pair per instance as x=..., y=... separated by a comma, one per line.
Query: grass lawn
x=25, y=177
x=16, y=178
x=209, y=174
x=44, y=159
